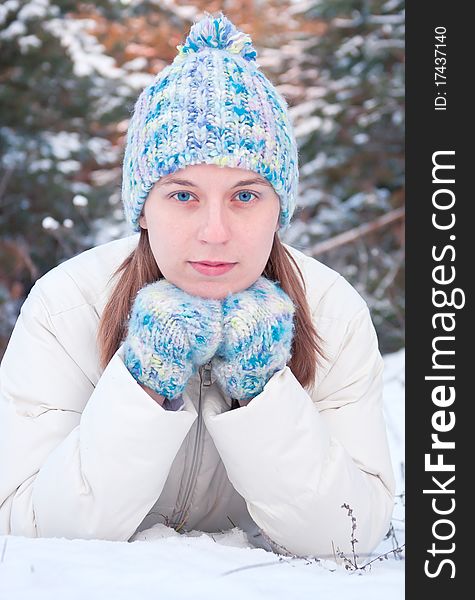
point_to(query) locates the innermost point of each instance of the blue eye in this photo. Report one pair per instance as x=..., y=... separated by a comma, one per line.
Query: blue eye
x=181, y=193
x=247, y=194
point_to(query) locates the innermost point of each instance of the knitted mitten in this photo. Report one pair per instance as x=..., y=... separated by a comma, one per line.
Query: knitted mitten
x=171, y=333
x=257, y=337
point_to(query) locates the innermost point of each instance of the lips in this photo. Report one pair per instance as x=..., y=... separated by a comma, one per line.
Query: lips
x=212, y=263
x=212, y=268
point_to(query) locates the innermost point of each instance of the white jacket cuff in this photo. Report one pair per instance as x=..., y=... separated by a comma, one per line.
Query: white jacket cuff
x=104, y=477
x=294, y=477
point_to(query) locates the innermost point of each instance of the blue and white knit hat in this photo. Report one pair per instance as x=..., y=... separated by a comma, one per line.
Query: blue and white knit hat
x=211, y=105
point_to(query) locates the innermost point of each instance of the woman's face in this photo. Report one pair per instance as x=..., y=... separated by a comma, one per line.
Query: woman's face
x=211, y=213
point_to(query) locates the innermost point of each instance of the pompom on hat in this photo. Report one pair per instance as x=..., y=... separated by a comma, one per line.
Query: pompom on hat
x=211, y=105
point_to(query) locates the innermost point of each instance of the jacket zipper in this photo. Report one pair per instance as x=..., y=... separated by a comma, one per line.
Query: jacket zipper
x=205, y=381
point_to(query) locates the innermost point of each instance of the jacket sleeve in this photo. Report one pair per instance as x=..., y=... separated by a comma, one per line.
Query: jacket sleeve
x=297, y=459
x=77, y=460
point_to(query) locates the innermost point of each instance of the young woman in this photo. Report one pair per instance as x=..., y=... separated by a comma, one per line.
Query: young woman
x=202, y=374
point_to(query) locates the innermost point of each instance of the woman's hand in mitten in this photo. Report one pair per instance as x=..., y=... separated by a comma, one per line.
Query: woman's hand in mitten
x=171, y=333
x=258, y=329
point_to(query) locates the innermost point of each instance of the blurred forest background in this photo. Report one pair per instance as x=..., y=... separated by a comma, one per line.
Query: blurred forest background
x=70, y=72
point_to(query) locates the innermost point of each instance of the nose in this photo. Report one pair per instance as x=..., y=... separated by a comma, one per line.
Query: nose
x=214, y=225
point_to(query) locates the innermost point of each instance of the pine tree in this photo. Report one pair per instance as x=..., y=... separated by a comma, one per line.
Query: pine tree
x=70, y=73
x=342, y=70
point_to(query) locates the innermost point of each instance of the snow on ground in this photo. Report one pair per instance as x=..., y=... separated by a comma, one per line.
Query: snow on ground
x=161, y=563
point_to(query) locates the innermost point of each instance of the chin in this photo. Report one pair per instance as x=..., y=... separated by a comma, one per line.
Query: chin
x=213, y=290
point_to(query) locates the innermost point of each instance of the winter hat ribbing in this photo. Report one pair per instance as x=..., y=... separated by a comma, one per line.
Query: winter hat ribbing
x=211, y=105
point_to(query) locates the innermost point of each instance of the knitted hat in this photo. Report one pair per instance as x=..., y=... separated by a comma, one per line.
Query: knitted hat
x=211, y=105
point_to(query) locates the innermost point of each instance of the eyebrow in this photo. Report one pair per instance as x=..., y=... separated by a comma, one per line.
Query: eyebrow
x=175, y=181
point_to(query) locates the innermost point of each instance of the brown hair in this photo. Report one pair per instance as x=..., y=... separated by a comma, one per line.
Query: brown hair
x=140, y=268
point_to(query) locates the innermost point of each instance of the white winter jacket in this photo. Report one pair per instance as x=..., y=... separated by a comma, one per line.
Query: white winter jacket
x=86, y=453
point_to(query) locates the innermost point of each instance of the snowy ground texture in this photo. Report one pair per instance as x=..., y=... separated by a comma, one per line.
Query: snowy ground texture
x=205, y=566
